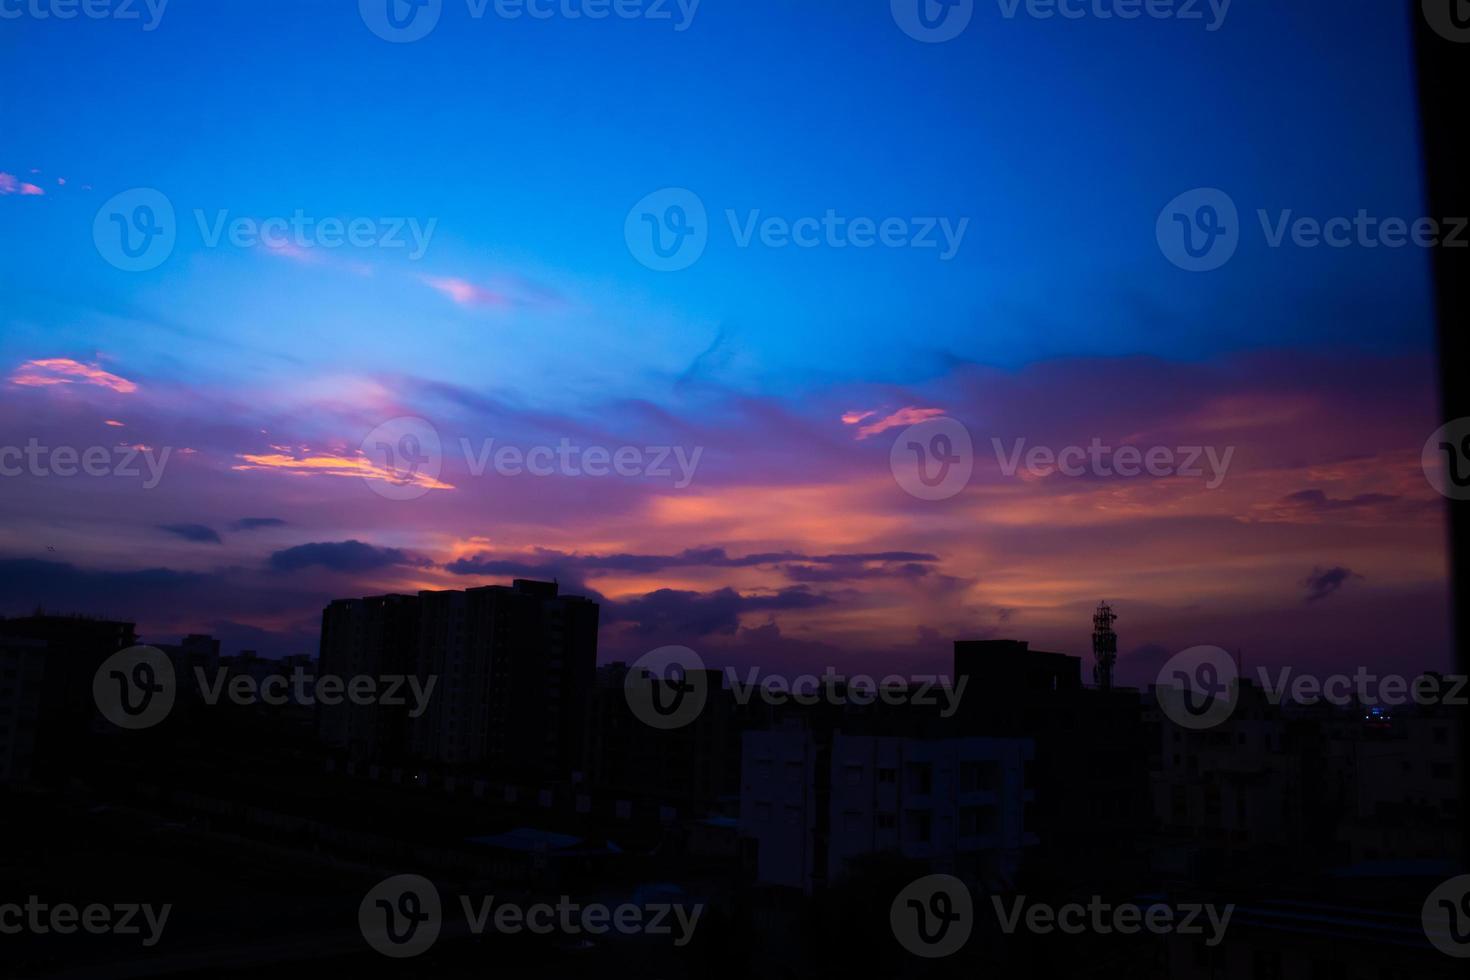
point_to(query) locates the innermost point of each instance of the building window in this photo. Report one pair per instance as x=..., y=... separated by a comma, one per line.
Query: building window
x=1267, y=965
x=917, y=827
x=887, y=777
x=921, y=778
x=978, y=820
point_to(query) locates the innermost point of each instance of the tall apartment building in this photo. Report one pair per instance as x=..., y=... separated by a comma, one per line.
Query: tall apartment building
x=1091, y=754
x=513, y=669
x=812, y=805
x=47, y=711
x=693, y=769
x=22, y=670
x=373, y=637
x=1310, y=785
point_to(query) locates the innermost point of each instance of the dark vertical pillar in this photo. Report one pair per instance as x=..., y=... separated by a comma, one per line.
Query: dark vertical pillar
x=1444, y=81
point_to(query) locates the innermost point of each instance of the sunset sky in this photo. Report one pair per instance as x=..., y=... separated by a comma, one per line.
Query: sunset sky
x=523, y=145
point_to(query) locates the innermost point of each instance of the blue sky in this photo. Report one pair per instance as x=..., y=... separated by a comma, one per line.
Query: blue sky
x=528, y=141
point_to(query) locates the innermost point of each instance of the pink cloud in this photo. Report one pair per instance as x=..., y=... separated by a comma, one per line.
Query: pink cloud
x=288, y=250
x=904, y=416
x=10, y=185
x=64, y=370
x=466, y=293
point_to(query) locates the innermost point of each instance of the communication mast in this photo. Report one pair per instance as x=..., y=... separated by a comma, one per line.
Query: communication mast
x=1104, y=646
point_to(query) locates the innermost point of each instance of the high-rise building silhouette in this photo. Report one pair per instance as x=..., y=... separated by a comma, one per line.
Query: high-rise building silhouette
x=512, y=668
x=47, y=712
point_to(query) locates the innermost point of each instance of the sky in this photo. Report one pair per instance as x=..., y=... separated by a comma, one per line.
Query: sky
x=499, y=172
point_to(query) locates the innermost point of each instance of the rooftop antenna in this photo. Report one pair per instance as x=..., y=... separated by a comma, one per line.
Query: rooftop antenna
x=1104, y=646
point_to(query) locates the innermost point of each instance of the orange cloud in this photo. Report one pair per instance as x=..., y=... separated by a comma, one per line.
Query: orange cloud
x=63, y=370
x=329, y=464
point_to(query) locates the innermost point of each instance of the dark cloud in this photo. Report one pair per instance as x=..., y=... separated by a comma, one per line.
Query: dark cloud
x=548, y=562
x=1317, y=500
x=28, y=583
x=1323, y=582
x=165, y=603
x=256, y=523
x=193, y=532
x=342, y=556
x=692, y=615
x=847, y=573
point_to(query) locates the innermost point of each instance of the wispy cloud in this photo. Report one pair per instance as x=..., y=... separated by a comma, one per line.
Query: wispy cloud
x=64, y=370
x=466, y=293
x=333, y=464
x=904, y=416
x=256, y=523
x=199, y=533
x=10, y=184
x=1325, y=581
